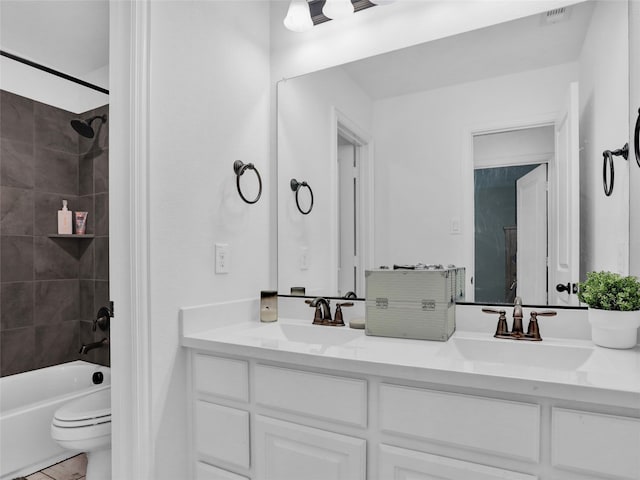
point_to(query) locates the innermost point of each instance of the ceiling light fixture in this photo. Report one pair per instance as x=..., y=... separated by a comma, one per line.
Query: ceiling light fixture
x=336, y=9
x=298, y=17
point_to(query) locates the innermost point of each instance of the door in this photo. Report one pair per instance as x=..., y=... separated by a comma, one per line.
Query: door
x=531, y=215
x=564, y=234
x=288, y=451
x=348, y=217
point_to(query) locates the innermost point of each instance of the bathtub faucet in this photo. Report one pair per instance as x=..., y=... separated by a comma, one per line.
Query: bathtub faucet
x=87, y=347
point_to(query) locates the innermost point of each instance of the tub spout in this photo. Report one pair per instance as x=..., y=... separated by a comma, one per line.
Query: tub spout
x=87, y=347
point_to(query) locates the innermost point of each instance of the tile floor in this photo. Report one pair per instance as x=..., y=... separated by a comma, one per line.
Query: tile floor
x=74, y=468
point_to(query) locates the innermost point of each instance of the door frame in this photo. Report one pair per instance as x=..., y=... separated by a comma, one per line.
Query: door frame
x=364, y=151
x=132, y=442
x=466, y=192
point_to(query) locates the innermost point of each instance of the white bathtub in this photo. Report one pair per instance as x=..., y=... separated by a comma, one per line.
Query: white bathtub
x=27, y=404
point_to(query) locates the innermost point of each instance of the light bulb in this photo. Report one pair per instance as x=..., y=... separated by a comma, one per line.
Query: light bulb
x=298, y=17
x=336, y=9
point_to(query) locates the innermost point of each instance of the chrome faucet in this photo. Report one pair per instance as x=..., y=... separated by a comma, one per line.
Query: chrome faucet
x=87, y=347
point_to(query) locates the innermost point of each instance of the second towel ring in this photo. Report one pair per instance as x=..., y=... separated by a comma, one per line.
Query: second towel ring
x=239, y=167
x=607, y=163
x=636, y=139
x=296, y=187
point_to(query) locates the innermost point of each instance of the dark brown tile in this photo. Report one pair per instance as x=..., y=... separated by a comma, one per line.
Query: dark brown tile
x=101, y=172
x=17, y=305
x=53, y=129
x=16, y=259
x=16, y=211
x=57, y=343
x=86, y=174
x=56, y=259
x=101, y=258
x=101, y=294
x=87, y=310
x=16, y=164
x=16, y=351
x=47, y=206
x=56, y=171
x=87, y=269
x=101, y=223
x=16, y=117
x=57, y=301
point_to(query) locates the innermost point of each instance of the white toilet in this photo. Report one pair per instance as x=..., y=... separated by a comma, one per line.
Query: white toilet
x=84, y=425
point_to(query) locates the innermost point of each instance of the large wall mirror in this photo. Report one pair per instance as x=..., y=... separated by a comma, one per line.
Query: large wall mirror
x=481, y=150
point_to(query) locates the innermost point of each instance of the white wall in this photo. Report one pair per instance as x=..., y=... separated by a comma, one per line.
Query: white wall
x=604, y=90
x=306, y=153
x=209, y=105
x=421, y=158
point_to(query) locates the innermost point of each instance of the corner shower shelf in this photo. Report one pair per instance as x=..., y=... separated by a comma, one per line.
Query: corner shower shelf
x=57, y=235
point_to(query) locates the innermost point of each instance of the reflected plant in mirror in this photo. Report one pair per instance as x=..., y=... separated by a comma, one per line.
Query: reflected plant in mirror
x=481, y=150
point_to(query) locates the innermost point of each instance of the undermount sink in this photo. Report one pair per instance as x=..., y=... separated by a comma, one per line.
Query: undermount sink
x=514, y=352
x=309, y=334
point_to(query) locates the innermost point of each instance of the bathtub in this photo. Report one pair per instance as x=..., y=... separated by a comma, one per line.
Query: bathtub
x=27, y=404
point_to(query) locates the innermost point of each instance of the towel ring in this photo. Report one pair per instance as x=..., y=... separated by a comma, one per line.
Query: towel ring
x=296, y=187
x=607, y=164
x=239, y=167
x=636, y=139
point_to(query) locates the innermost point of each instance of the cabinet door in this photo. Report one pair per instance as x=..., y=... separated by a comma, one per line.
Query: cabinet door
x=287, y=451
x=402, y=464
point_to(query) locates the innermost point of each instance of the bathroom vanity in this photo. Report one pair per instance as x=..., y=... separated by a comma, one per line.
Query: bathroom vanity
x=290, y=400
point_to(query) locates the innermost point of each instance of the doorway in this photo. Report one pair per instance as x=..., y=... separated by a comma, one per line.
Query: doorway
x=511, y=214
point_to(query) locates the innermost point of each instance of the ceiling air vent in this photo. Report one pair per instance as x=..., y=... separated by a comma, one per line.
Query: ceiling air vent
x=556, y=15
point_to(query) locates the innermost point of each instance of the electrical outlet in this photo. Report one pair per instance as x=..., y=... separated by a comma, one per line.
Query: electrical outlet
x=304, y=258
x=222, y=258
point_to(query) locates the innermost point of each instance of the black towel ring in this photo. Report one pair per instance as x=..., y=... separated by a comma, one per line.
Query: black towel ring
x=607, y=164
x=636, y=139
x=296, y=187
x=239, y=167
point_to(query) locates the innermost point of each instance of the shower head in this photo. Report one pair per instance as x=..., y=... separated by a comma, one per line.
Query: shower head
x=84, y=128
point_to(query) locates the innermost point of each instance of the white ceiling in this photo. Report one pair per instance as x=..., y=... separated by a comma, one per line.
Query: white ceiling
x=71, y=36
x=520, y=45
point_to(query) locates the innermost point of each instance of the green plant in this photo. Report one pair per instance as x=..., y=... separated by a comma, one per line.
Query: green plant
x=610, y=291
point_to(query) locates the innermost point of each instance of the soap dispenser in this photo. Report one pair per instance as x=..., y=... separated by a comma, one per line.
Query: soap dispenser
x=64, y=220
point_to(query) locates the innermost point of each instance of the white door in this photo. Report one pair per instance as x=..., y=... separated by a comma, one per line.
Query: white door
x=348, y=221
x=402, y=464
x=531, y=216
x=288, y=451
x=564, y=232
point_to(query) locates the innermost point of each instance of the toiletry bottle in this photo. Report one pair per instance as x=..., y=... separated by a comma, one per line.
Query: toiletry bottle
x=64, y=220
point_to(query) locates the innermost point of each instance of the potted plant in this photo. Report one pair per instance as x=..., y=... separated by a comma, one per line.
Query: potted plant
x=614, y=308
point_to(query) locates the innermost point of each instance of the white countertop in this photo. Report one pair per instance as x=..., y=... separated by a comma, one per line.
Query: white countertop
x=558, y=368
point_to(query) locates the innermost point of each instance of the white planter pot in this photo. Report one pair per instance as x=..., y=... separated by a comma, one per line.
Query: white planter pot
x=614, y=329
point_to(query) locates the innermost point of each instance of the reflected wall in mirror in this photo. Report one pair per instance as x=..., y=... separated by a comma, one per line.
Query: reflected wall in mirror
x=420, y=126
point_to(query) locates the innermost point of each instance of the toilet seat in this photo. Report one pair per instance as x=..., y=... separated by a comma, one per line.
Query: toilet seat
x=91, y=409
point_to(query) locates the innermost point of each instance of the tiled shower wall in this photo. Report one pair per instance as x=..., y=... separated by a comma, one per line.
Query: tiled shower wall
x=50, y=288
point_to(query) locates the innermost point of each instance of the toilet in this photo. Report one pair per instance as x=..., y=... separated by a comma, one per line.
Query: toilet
x=84, y=425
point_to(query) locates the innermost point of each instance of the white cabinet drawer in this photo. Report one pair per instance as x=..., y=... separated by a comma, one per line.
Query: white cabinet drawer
x=222, y=377
x=209, y=472
x=402, y=464
x=596, y=444
x=498, y=427
x=222, y=434
x=288, y=451
x=325, y=397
